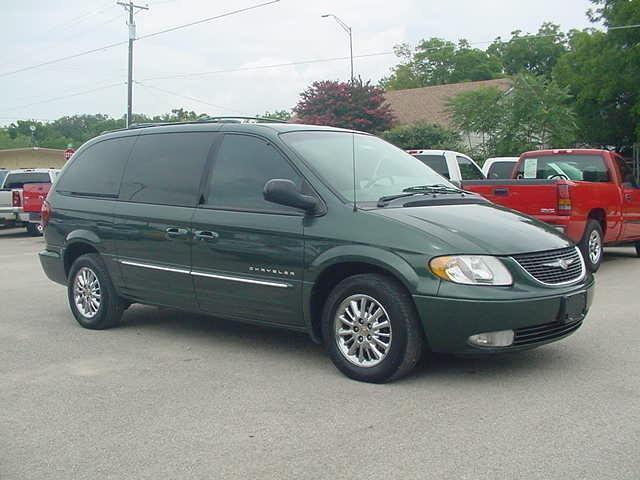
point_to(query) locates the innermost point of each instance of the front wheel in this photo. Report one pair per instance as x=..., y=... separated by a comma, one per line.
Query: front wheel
x=591, y=245
x=371, y=329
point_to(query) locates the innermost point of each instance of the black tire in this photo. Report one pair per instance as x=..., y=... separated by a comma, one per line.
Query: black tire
x=33, y=230
x=593, y=228
x=638, y=249
x=111, y=306
x=406, y=337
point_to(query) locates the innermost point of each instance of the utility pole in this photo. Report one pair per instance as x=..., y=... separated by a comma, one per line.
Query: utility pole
x=130, y=7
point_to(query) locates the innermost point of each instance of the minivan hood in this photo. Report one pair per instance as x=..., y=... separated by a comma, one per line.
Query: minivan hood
x=479, y=228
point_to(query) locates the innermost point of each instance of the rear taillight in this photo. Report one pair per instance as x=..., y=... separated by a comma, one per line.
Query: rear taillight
x=45, y=213
x=564, y=199
x=16, y=201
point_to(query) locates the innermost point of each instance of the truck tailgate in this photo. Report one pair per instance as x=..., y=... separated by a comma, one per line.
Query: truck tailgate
x=33, y=194
x=532, y=197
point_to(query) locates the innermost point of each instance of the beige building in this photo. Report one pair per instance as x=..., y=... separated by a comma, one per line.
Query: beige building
x=31, y=158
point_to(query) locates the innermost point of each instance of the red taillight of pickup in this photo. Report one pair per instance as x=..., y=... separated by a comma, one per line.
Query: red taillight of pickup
x=16, y=200
x=564, y=199
x=45, y=214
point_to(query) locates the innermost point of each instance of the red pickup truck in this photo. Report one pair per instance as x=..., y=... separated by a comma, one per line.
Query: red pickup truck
x=593, y=196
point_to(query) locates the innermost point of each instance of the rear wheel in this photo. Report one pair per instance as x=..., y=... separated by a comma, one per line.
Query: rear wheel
x=92, y=297
x=34, y=229
x=371, y=329
x=591, y=245
x=638, y=248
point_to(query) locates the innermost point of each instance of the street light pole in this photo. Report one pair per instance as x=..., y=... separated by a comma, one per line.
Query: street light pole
x=347, y=29
x=130, y=6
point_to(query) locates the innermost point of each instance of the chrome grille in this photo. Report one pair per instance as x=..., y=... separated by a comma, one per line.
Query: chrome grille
x=547, y=267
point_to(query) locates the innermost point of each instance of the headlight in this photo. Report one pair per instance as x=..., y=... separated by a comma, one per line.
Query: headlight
x=471, y=270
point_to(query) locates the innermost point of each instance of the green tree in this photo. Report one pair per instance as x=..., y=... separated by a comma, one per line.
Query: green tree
x=422, y=135
x=536, y=54
x=359, y=106
x=284, y=115
x=601, y=71
x=480, y=113
x=437, y=61
x=534, y=113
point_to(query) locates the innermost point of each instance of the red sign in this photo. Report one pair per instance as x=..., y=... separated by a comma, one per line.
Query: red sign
x=67, y=153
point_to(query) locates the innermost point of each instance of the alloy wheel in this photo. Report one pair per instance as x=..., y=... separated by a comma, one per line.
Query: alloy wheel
x=362, y=330
x=595, y=247
x=87, y=292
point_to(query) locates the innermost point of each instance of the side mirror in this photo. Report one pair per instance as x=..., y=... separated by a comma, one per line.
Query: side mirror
x=285, y=192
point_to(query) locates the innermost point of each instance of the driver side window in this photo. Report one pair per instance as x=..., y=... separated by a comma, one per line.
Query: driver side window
x=242, y=166
x=626, y=172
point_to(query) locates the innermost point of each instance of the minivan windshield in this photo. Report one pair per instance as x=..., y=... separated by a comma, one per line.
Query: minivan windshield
x=381, y=169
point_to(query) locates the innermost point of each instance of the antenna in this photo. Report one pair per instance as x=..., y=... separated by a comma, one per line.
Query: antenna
x=353, y=164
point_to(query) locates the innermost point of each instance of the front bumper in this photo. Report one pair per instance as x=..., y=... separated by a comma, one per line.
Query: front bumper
x=449, y=322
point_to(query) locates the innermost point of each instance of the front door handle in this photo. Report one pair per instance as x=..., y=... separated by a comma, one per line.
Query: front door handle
x=174, y=232
x=501, y=192
x=206, y=235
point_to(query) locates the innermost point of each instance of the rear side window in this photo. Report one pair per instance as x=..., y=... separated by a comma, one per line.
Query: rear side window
x=166, y=168
x=468, y=170
x=242, y=166
x=98, y=169
x=501, y=170
x=435, y=162
x=18, y=180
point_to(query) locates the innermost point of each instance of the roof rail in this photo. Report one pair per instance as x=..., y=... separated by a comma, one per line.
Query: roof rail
x=236, y=119
x=230, y=119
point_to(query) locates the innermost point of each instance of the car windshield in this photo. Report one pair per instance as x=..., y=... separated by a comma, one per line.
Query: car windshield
x=381, y=169
x=589, y=168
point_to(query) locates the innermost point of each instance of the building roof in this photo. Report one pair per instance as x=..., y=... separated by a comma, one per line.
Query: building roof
x=429, y=104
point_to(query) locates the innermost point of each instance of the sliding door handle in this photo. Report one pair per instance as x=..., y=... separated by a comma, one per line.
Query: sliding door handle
x=206, y=235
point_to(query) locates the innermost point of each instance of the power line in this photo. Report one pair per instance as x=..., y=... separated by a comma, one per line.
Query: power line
x=62, y=59
x=264, y=67
x=187, y=97
x=205, y=20
x=623, y=27
x=150, y=35
x=62, y=97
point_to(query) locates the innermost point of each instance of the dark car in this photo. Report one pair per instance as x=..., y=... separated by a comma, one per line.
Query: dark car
x=265, y=223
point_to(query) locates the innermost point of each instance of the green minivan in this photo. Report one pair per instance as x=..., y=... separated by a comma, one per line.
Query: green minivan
x=322, y=230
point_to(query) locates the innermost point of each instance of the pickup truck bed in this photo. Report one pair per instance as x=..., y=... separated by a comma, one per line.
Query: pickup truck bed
x=590, y=191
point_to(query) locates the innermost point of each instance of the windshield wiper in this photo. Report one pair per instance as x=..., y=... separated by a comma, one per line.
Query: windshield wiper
x=435, y=188
x=418, y=190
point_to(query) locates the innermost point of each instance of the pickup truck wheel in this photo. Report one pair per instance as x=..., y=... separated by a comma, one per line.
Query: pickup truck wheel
x=33, y=230
x=638, y=248
x=371, y=329
x=591, y=245
x=92, y=297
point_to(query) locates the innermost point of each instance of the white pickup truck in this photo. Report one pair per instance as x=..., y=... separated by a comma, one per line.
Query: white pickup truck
x=11, y=196
x=453, y=166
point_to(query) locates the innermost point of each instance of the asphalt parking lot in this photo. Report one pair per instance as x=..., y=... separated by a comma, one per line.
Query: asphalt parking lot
x=175, y=395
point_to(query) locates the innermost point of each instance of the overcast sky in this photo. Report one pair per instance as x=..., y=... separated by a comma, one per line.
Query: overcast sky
x=36, y=31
